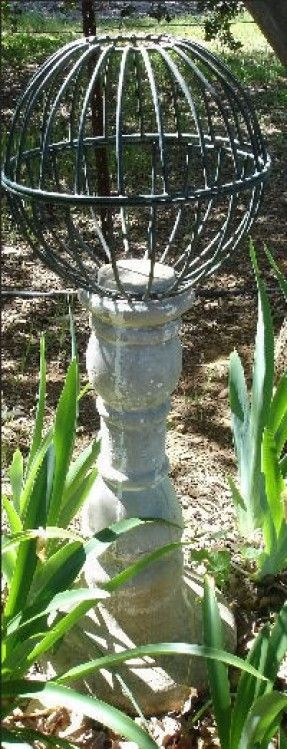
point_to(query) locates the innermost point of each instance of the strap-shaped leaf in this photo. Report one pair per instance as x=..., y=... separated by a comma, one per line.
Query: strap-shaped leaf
x=280, y=277
x=274, y=483
x=16, y=478
x=155, y=650
x=17, y=737
x=248, y=686
x=39, y=420
x=278, y=413
x=217, y=671
x=277, y=647
x=63, y=439
x=89, y=706
x=261, y=716
x=262, y=386
x=26, y=561
x=14, y=519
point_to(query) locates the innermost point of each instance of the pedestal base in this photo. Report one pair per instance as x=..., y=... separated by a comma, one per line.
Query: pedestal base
x=157, y=685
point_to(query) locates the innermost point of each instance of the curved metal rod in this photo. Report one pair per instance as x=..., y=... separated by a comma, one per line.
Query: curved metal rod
x=217, y=241
x=158, y=115
x=206, y=85
x=182, y=84
x=140, y=114
x=80, y=144
x=28, y=91
x=35, y=94
x=74, y=234
x=77, y=65
x=246, y=108
x=119, y=120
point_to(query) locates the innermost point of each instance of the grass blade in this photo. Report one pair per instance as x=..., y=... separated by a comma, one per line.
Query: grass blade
x=217, y=672
x=89, y=706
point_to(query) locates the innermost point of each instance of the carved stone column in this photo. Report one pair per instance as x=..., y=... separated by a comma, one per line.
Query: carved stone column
x=134, y=362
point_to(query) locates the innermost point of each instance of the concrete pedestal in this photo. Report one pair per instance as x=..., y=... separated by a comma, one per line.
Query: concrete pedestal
x=134, y=362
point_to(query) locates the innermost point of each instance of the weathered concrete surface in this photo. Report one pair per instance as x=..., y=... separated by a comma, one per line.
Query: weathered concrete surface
x=134, y=362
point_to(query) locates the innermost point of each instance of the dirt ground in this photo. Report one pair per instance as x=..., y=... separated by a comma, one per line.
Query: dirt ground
x=199, y=442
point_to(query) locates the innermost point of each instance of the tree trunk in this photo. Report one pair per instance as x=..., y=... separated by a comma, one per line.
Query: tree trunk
x=102, y=161
x=271, y=17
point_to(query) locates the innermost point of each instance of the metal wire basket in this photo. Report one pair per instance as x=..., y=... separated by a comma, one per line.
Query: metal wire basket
x=143, y=147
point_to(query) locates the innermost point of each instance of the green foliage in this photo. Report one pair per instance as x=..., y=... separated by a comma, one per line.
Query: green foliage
x=259, y=424
x=219, y=15
x=216, y=561
x=48, y=488
x=253, y=718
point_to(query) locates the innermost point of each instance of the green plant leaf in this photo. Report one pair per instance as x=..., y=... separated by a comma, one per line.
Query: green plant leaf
x=248, y=686
x=238, y=394
x=274, y=484
x=277, y=647
x=59, y=602
x=86, y=389
x=8, y=566
x=275, y=560
x=236, y=496
x=17, y=737
x=154, y=650
x=38, y=428
x=64, y=437
x=79, y=468
x=278, y=413
x=34, y=469
x=14, y=519
x=26, y=561
x=76, y=500
x=262, y=386
x=16, y=478
x=261, y=716
x=62, y=627
x=62, y=568
x=14, y=540
x=89, y=706
x=283, y=466
x=217, y=672
x=280, y=278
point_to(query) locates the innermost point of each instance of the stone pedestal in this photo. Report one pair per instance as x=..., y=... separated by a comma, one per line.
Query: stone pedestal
x=134, y=362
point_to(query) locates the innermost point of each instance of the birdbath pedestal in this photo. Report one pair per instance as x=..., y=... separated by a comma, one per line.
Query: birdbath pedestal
x=134, y=362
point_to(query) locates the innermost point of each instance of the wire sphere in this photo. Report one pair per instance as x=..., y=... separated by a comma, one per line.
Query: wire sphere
x=142, y=147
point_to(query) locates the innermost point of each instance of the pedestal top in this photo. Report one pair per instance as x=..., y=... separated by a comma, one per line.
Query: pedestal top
x=134, y=276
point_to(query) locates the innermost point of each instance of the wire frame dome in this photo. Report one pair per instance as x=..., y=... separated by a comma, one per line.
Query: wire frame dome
x=143, y=147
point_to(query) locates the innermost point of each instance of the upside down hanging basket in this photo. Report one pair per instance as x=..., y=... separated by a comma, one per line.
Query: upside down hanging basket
x=134, y=147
